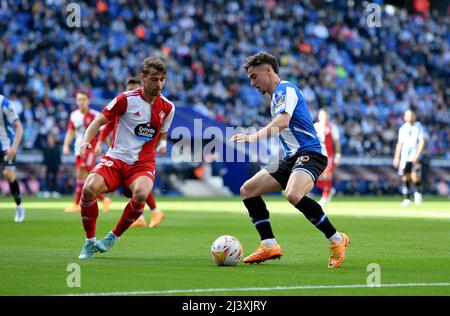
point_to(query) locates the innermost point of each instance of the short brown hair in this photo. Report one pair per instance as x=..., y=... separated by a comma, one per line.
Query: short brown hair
x=83, y=92
x=153, y=62
x=133, y=80
x=260, y=59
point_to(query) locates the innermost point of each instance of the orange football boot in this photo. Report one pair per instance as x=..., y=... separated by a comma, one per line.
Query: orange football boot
x=74, y=208
x=264, y=253
x=337, y=252
x=156, y=219
x=140, y=222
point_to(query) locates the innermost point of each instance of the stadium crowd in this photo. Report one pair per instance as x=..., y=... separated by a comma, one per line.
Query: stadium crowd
x=366, y=76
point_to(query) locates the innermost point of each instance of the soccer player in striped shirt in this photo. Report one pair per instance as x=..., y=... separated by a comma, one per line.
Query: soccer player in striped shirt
x=411, y=141
x=11, y=131
x=305, y=159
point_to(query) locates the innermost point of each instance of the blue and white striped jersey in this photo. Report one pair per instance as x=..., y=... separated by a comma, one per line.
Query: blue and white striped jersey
x=300, y=135
x=409, y=135
x=8, y=115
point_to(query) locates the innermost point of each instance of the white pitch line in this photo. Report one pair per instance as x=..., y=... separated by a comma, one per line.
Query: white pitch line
x=276, y=288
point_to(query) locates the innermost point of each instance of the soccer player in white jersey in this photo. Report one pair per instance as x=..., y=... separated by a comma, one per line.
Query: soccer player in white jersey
x=142, y=119
x=157, y=215
x=11, y=131
x=411, y=141
x=305, y=159
x=329, y=134
x=79, y=120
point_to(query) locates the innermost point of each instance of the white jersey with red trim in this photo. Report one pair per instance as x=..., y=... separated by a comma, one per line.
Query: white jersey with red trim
x=329, y=134
x=137, y=125
x=79, y=122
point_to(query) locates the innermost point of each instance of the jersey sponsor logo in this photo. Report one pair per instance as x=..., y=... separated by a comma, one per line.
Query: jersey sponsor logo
x=145, y=132
x=111, y=104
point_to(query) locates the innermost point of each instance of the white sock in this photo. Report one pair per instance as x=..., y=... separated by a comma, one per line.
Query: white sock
x=269, y=242
x=20, y=207
x=154, y=210
x=91, y=239
x=335, y=238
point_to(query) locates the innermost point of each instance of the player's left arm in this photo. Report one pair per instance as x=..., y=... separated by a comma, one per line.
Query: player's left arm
x=11, y=152
x=420, y=147
x=279, y=123
x=337, y=145
x=161, y=147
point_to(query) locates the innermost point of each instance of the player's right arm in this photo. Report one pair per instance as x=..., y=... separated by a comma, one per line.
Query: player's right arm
x=398, y=149
x=103, y=136
x=91, y=132
x=115, y=108
x=68, y=139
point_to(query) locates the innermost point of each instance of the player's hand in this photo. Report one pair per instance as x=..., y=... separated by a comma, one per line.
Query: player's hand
x=11, y=153
x=337, y=159
x=98, y=148
x=415, y=160
x=83, y=148
x=243, y=138
x=395, y=163
x=161, y=151
x=66, y=151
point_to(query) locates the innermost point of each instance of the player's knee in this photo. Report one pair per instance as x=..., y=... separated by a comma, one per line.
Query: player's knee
x=9, y=175
x=294, y=196
x=140, y=195
x=88, y=192
x=247, y=191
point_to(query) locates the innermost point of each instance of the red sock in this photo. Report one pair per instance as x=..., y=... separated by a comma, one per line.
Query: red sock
x=78, y=189
x=151, y=201
x=327, y=185
x=100, y=197
x=89, y=215
x=130, y=214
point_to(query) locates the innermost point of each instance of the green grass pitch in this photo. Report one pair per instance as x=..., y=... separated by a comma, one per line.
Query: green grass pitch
x=411, y=247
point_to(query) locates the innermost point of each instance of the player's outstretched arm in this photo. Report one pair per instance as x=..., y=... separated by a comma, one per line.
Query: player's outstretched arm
x=279, y=123
x=91, y=132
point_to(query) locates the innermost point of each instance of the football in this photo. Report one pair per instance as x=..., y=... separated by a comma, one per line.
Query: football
x=226, y=251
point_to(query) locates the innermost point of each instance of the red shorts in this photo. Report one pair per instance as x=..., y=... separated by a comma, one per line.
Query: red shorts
x=88, y=162
x=116, y=172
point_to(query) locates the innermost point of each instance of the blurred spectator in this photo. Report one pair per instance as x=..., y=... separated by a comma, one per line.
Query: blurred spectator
x=52, y=161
